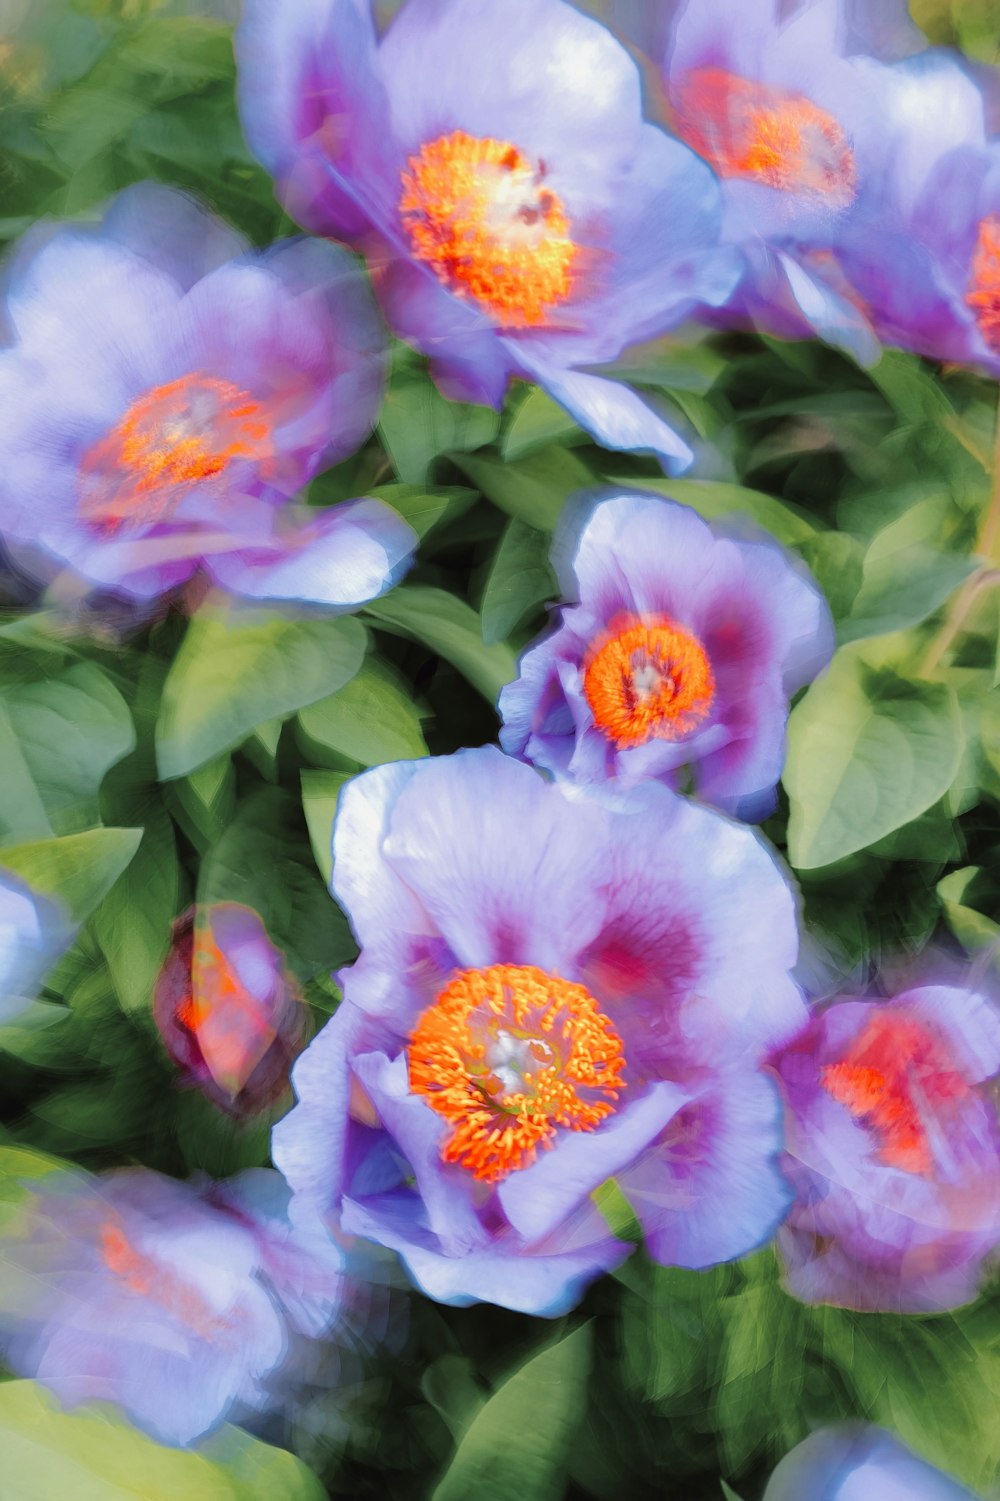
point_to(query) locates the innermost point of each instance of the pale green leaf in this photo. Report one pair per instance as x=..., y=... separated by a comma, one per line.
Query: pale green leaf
x=132, y=923
x=77, y=870
x=450, y=628
x=717, y=499
x=370, y=720
x=537, y=421
x=232, y=674
x=320, y=791
x=867, y=753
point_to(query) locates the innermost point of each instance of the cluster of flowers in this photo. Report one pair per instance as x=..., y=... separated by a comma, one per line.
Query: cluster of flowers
x=576, y=961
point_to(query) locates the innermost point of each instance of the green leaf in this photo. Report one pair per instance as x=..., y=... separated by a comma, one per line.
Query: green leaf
x=728, y=1493
x=518, y=1443
x=417, y=424
x=205, y=801
x=519, y=580
x=264, y=860
x=132, y=923
x=22, y=812
x=959, y=893
x=91, y=1454
x=450, y=628
x=422, y=510
x=370, y=720
x=537, y=422
x=232, y=674
x=716, y=499
x=320, y=791
x=867, y=753
x=836, y=560
x=534, y=488
x=71, y=729
x=902, y=586
x=77, y=870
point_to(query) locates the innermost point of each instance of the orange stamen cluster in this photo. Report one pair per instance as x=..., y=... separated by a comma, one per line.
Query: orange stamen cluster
x=232, y=1030
x=983, y=295
x=775, y=137
x=647, y=679
x=178, y=435
x=894, y=1071
x=507, y=1055
x=145, y=1276
x=477, y=212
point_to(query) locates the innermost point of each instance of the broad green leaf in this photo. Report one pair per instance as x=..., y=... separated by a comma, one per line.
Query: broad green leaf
x=728, y=1493
x=901, y=588
x=669, y=365
x=534, y=488
x=452, y=629
x=836, y=561
x=22, y=812
x=716, y=499
x=537, y=422
x=320, y=791
x=232, y=674
x=77, y=870
x=422, y=510
x=867, y=753
x=370, y=720
x=261, y=748
x=205, y=801
x=959, y=897
x=417, y=424
x=518, y=1443
x=519, y=580
x=71, y=729
x=450, y=1386
x=92, y=1454
x=132, y=924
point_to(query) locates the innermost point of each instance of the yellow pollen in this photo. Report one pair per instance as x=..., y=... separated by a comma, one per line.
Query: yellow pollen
x=648, y=679
x=983, y=295
x=509, y=1054
x=775, y=137
x=178, y=435
x=477, y=211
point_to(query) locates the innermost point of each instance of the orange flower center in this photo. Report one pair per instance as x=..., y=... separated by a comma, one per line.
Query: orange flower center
x=145, y=1276
x=775, y=137
x=176, y=436
x=983, y=295
x=893, y=1076
x=230, y=1024
x=650, y=679
x=477, y=211
x=508, y=1055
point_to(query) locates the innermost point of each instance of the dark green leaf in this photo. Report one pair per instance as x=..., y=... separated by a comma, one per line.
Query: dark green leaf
x=533, y=489
x=417, y=424
x=519, y=580
x=370, y=720
x=715, y=499
x=452, y=629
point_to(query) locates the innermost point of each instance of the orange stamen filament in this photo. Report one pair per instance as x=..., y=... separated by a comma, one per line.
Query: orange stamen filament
x=477, y=211
x=894, y=1070
x=648, y=679
x=775, y=137
x=176, y=436
x=508, y=1055
x=983, y=295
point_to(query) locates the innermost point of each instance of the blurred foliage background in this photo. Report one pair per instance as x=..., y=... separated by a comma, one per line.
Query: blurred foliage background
x=663, y=1382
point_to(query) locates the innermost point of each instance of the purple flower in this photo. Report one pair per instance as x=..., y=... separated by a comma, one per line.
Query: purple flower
x=167, y=392
x=894, y=1151
x=677, y=654
x=857, y=1463
x=553, y=990
x=183, y=1304
x=804, y=131
x=33, y=934
x=230, y=1015
x=493, y=162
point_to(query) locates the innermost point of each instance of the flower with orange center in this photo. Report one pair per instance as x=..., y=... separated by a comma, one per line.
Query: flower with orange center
x=772, y=136
x=508, y=1055
x=648, y=679
x=178, y=435
x=983, y=295
x=477, y=211
x=892, y=1075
